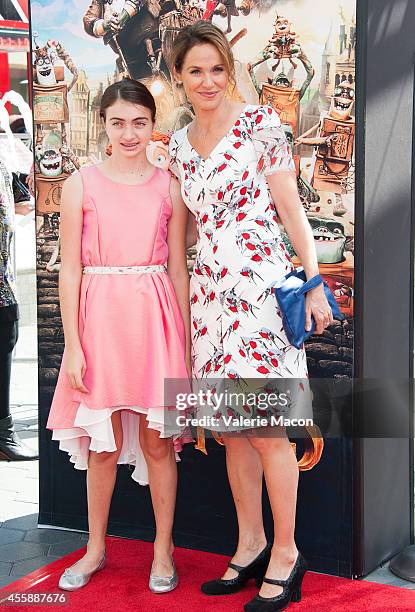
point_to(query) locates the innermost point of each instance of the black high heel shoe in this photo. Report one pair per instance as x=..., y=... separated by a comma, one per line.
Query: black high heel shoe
x=291, y=590
x=256, y=569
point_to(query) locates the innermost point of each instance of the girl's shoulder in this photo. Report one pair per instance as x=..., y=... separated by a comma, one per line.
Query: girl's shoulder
x=161, y=176
x=89, y=168
x=88, y=172
x=160, y=181
x=89, y=179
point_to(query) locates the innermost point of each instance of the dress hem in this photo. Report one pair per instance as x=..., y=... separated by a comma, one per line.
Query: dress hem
x=92, y=431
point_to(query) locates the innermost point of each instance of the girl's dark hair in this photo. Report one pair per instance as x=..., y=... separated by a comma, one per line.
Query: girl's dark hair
x=128, y=90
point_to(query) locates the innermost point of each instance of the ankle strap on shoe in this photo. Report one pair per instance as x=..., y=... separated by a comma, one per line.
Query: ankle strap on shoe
x=237, y=568
x=282, y=583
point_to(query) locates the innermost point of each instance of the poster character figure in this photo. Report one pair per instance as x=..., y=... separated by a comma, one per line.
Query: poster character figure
x=333, y=139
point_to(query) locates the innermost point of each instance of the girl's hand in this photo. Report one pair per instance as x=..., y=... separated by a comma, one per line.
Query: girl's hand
x=75, y=369
x=191, y=231
x=316, y=304
x=189, y=366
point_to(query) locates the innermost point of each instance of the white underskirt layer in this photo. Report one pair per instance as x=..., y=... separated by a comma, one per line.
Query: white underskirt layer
x=93, y=431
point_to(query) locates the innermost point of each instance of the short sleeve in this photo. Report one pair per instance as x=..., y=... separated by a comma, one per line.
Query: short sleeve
x=271, y=145
x=173, y=166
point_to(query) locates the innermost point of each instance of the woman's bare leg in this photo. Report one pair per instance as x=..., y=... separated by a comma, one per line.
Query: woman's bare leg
x=245, y=477
x=281, y=477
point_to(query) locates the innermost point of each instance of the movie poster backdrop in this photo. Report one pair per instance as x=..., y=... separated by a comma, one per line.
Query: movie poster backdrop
x=296, y=55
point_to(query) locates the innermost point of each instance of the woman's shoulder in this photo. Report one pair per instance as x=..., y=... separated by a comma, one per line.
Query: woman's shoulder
x=264, y=124
x=177, y=139
x=261, y=115
x=180, y=133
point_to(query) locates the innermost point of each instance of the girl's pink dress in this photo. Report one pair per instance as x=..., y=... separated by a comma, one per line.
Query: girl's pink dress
x=130, y=325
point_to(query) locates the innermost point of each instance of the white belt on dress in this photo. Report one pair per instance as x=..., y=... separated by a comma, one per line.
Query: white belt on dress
x=123, y=269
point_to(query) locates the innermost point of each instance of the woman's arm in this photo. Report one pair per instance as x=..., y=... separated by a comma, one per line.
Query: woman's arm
x=177, y=263
x=70, y=274
x=30, y=180
x=23, y=208
x=283, y=187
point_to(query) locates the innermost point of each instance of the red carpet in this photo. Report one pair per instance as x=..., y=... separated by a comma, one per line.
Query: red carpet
x=122, y=586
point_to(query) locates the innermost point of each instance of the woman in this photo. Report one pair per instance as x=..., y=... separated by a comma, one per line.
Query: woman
x=226, y=160
x=126, y=323
x=11, y=447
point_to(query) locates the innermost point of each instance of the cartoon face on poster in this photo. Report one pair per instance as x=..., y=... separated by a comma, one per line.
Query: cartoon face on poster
x=296, y=55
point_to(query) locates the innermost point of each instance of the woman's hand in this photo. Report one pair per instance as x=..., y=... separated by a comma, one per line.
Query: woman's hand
x=316, y=304
x=284, y=191
x=23, y=208
x=75, y=369
x=30, y=181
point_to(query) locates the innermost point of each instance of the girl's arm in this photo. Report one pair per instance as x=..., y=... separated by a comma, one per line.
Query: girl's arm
x=283, y=187
x=70, y=274
x=177, y=263
x=191, y=231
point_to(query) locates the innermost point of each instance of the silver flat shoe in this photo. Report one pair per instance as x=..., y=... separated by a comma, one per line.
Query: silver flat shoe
x=163, y=584
x=69, y=581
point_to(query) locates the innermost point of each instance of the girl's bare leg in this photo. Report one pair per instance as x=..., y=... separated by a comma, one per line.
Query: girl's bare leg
x=101, y=476
x=162, y=476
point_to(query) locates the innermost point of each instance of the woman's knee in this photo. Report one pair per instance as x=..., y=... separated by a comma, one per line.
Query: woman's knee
x=236, y=444
x=274, y=442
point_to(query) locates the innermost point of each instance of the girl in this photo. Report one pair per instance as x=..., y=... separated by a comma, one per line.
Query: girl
x=230, y=160
x=126, y=324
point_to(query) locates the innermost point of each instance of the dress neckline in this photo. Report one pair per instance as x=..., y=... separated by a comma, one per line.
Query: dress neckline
x=150, y=178
x=205, y=159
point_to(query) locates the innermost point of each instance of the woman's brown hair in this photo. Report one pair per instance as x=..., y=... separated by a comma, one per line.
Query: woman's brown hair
x=201, y=33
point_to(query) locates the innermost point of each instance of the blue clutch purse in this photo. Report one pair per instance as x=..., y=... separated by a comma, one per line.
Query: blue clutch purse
x=290, y=294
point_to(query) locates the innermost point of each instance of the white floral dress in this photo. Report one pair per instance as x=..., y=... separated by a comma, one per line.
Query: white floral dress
x=236, y=326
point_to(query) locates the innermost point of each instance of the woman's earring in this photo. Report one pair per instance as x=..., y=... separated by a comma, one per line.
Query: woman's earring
x=108, y=150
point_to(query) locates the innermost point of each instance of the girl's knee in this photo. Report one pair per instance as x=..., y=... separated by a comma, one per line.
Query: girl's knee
x=105, y=458
x=156, y=448
x=116, y=421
